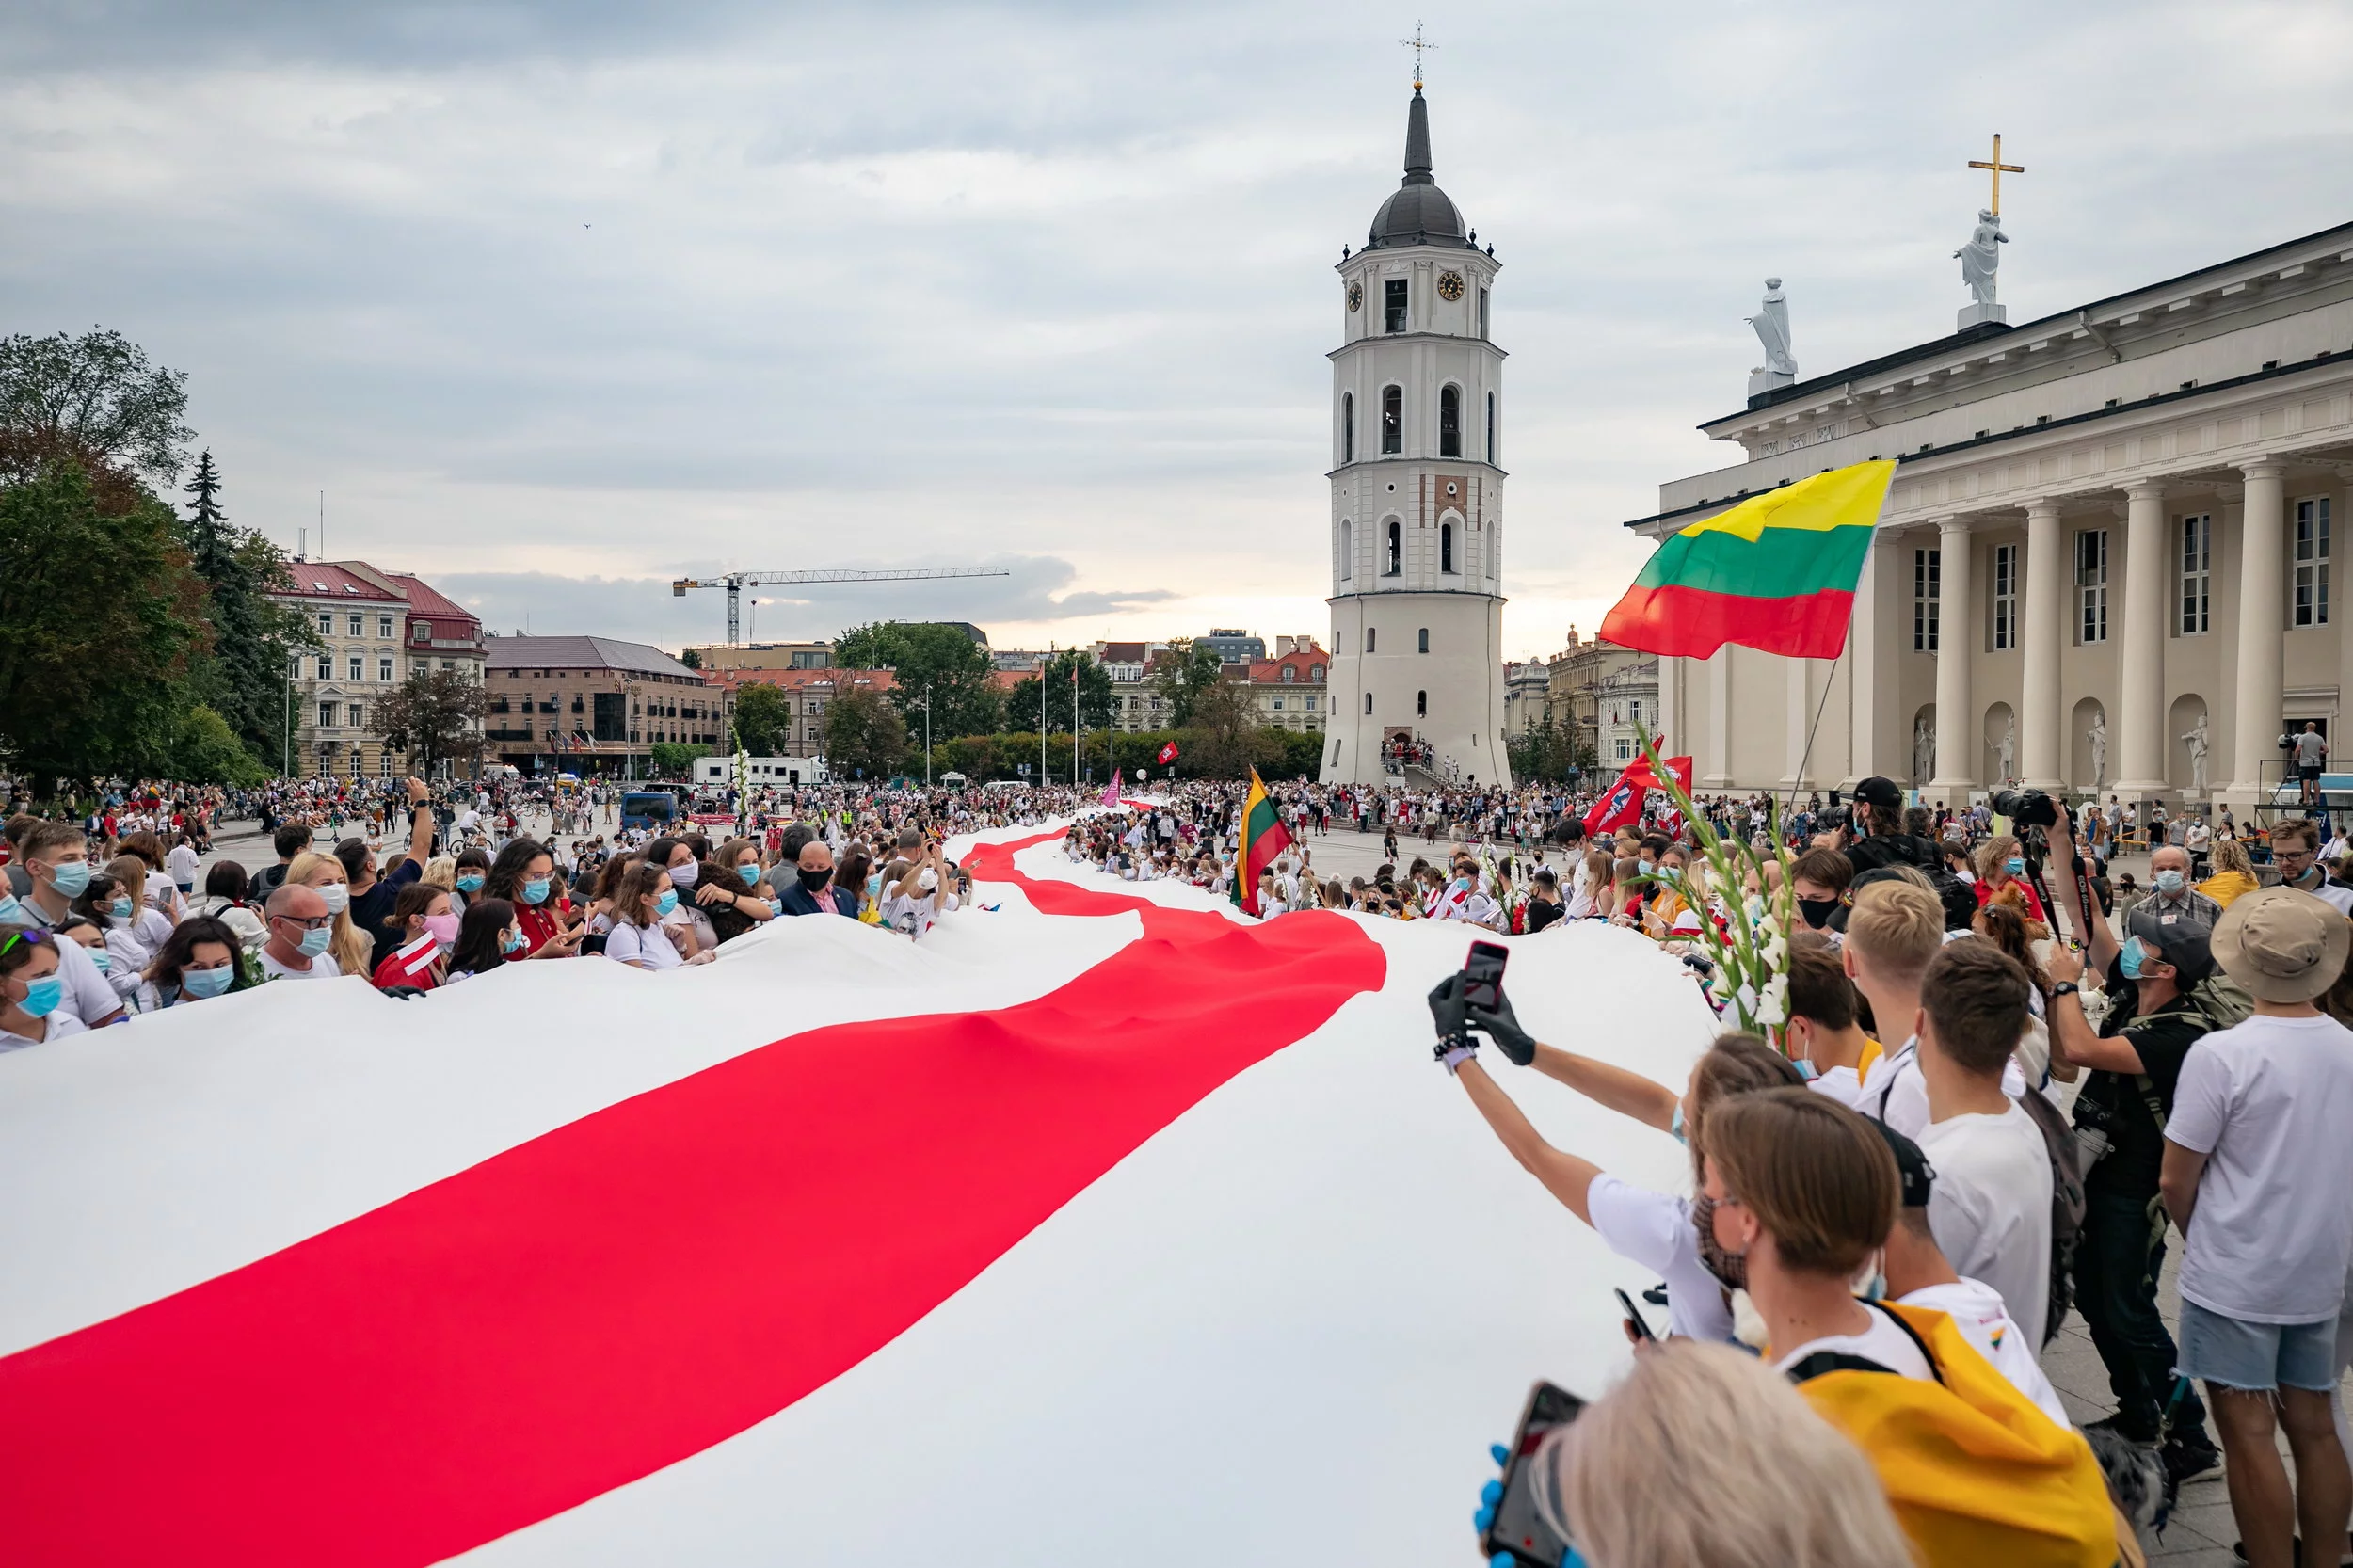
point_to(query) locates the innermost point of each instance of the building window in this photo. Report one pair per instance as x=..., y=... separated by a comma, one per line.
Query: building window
x=1626, y=749
x=355, y=711
x=327, y=666
x=1490, y=429
x=1315, y=673
x=353, y=665
x=1348, y=550
x=2312, y=563
x=1450, y=422
x=1392, y=421
x=1311, y=705
x=2092, y=586
x=1393, y=305
x=424, y=632
x=1348, y=427
x=2005, y=596
x=384, y=668
x=1397, y=549
x=1289, y=675
x=2197, y=574
x=419, y=667
x=1482, y=312
x=357, y=622
x=1928, y=569
x=1370, y=633
x=1446, y=547
x=1424, y=639
x=326, y=715
x=383, y=626
x=1421, y=705
x=1368, y=704
x=326, y=623
x=1278, y=704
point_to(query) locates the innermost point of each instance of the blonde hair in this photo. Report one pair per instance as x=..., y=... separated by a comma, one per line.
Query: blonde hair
x=353, y=950
x=441, y=872
x=1707, y=1458
x=2230, y=855
x=1993, y=855
x=1896, y=928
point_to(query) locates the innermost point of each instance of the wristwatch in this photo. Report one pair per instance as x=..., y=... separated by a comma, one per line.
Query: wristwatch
x=2064, y=988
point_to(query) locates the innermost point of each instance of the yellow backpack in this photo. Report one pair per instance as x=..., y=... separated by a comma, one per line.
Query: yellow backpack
x=1976, y=1474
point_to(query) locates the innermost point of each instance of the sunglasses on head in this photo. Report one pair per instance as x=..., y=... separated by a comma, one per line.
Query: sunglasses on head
x=27, y=933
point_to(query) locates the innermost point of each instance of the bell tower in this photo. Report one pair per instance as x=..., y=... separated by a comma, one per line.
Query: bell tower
x=1416, y=496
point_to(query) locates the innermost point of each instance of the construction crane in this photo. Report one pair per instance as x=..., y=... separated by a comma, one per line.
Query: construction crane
x=736, y=581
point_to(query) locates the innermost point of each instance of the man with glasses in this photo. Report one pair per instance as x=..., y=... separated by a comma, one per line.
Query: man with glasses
x=56, y=858
x=300, y=927
x=2296, y=850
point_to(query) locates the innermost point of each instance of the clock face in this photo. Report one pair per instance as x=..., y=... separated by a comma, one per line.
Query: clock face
x=1449, y=286
x=1355, y=296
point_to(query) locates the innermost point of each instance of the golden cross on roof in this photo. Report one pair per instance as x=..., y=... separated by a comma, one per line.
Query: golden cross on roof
x=1418, y=44
x=1998, y=169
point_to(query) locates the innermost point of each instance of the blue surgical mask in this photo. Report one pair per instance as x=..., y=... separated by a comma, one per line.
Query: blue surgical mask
x=2015, y=865
x=207, y=982
x=314, y=942
x=512, y=940
x=667, y=901
x=1644, y=865
x=71, y=878
x=101, y=957
x=536, y=891
x=1675, y=1127
x=2168, y=882
x=874, y=885
x=751, y=876
x=41, y=997
x=12, y=911
x=122, y=909
x=471, y=881
x=2132, y=957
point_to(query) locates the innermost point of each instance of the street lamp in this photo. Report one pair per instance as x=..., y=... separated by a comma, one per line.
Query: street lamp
x=927, y=735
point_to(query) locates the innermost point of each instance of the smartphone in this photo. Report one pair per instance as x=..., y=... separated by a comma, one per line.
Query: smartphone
x=1641, y=1327
x=1482, y=975
x=1519, y=1529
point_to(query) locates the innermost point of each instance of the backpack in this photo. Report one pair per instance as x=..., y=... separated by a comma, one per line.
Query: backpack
x=1907, y=849
x=2067, y=1203
x=1975, y=1472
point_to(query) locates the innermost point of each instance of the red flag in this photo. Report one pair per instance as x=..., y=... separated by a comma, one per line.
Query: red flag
x=1168, y=754
x=1621, y=804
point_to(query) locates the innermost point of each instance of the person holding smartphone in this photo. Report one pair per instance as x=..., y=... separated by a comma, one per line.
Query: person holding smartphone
x=1663, y=1231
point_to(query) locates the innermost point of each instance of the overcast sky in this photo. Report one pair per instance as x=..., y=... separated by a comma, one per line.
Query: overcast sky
x=558, y=302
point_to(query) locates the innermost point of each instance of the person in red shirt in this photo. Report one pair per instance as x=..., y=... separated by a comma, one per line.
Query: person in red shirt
x=524, y=875
x=424, y=929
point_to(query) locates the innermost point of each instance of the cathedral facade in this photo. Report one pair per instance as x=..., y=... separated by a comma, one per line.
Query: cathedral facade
x=1416, y=685
x=2107, y=561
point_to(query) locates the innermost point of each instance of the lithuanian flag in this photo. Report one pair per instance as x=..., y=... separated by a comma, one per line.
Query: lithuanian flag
x=1263, y=838
x=1777, y=572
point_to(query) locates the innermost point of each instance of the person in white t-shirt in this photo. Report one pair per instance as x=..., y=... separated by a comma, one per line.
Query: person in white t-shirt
x=1821, y=1032
x=2258, y=1173
x=300, y=928
x=1664, y=1232
x=639, y=936
x=1992, y=1211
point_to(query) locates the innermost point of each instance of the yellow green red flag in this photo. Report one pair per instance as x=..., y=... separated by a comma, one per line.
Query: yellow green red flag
x=1262, y=838
x=1777, y=572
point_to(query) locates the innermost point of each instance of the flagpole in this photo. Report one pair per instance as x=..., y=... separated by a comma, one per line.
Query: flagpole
x=1807, y=756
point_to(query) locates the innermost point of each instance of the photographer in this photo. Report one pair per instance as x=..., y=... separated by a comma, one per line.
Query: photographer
x=1664, y=1233
x=1885, y=840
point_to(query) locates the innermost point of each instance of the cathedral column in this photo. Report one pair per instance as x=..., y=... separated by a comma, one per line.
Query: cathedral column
x=1801, y=716
x=2040, y=750
x=1862, y=655
x=1671, y=702
x=2140, y=673
x=1718, y=753
x=1958, y=727
x=2262, y=601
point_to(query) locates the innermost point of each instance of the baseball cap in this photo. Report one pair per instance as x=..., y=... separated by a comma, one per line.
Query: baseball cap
x=2179, y=940
x=1876, y=791
x=2283, y=945
x=1913, y=1172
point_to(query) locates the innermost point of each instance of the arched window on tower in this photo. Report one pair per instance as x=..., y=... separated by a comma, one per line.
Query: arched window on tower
x=1450, y=422
x=1491, y=427
x=1425, y=640
x=1397, y=549
x=1367, y=704
x=1348, y=550
x=1348, y=427
x=1369, y=634
x=1421, y=705
x=1392, y=421
x=1446, y=547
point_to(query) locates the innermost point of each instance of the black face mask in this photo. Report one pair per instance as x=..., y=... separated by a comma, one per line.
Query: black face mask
x=1817, y=911
x=814, y=881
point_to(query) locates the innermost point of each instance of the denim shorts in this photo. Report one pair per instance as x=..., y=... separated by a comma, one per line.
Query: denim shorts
x=2233, y=1354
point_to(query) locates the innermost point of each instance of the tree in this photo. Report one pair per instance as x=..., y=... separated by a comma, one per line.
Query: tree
x=100, y=622
x=431, y=716
x=207, y=751
x=1095, y=695
x=94, y=397
x=865, y=737
x=1548, y=753
x=763, y=719
x=1218, y=740
x=933, y=655
x=1187, y=669
x=675, y=758
x=692, y=658
x=254, y=636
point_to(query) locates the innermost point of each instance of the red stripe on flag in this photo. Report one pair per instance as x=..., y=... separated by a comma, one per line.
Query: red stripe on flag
x=611, y=1297
x=1693, y=623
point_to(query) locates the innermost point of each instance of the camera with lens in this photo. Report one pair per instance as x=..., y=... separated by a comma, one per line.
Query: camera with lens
x=2026, y=807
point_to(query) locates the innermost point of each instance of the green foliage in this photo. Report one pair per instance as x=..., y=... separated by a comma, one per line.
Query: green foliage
x=763, y=719
x=254, y=637
x=1277, y=754
x=431, y=716
x=865, y=737
x=207, y=751
x=1094, y=690
x=95, y=397
x=1548, y=753
x=1183, y=674
x=100, y=623
x=692, y=658
x=927, y=654
x=675, y=758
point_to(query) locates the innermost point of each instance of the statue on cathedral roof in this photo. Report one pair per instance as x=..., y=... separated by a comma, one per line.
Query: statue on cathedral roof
x=1981, y=258
x=1771, y=322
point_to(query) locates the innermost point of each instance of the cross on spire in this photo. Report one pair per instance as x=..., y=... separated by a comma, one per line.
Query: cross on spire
x=1998, y=169
x=1418, y=44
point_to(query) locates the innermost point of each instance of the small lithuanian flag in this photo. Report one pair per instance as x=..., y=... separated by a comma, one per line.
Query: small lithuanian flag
x=1777, y=572
x=1263, y=838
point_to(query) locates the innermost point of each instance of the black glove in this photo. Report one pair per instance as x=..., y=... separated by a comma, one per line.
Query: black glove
x=1502, y=1026
x=1446, y=1010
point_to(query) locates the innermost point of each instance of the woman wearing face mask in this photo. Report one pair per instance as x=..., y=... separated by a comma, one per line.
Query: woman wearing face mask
x=2002, y=874
x=200, y=961
x=425, y=930
x=689, y=924
x=640, y=939
x=84, y=933
x=150, y=925
x=524, y=875
x=352, y=948
x=730, y=896
x=108, y=912
x=1660, y=1230
x=473, y=874
x=30, y=991
x=487, y=938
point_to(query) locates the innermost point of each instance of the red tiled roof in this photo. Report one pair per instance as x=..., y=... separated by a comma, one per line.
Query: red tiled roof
x=426, y=599
x=315, y=577
x=1270, y=671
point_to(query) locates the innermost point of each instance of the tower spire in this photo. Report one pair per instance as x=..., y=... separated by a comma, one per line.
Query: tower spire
x=1418, y=141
